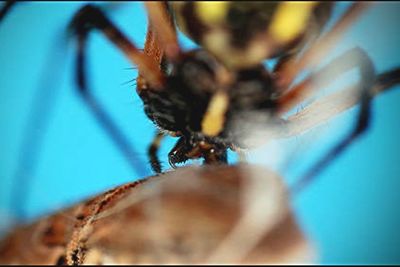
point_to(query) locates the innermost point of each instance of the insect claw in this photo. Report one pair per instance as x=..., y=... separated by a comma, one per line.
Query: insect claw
x=172, y=163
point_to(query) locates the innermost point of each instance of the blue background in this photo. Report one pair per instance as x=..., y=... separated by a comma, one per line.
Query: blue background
x=351, y=213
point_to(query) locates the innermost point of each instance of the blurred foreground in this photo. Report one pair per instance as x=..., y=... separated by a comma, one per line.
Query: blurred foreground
x=210, y=214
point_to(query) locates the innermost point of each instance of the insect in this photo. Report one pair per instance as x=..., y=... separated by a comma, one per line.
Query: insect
x=223, y=97
x=205, y=102
x=227, y=89
x=212, y=149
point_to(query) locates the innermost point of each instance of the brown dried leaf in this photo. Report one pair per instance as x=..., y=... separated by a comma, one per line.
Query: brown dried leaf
x=211, y=214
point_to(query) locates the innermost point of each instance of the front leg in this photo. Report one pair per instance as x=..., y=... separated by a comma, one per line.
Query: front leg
x=185, y=150
x=152, y=152
x=178, y=153
x=91, y=18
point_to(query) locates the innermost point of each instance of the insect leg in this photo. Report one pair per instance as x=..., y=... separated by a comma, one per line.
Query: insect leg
x=178, y=153
x=163, y=25
x=334, y=104
x=88, y=18
x=154, y=49
x=387, y=80
x=322, y=46
x=43, y=104
x=353, y=58
x=152, y=152
x=5, y=9
x=365, y=86
x=321, y=16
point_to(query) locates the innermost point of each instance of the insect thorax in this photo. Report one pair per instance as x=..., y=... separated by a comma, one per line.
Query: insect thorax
x=181, y=106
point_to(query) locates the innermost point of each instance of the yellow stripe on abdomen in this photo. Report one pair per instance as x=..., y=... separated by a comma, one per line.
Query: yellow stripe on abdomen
x=290, y=20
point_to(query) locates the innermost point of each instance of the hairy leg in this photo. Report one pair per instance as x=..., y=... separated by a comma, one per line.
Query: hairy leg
x=152, y=152
x=355, y=58
x=87, y=19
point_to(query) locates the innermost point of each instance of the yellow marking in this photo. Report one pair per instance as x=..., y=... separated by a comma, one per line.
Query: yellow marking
x=290, y=20
x=214, y=118
x=211, y=12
